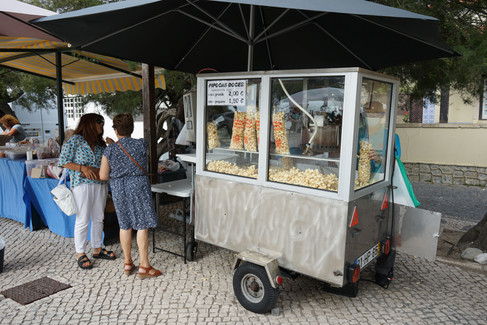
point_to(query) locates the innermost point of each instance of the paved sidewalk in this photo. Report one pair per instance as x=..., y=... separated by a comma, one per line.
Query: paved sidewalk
x=201, y=292
x=461, y=202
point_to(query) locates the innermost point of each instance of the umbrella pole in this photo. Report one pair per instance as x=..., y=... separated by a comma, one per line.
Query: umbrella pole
x=250, y=54
x=60, y=106
x=149, y=108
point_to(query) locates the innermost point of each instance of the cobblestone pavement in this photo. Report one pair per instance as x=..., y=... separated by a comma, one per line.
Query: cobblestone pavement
x=201, y=292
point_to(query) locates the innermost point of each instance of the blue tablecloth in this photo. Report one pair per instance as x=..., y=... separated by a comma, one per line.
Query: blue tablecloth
x=12, y=176
x=38, y=192
x=29, y=200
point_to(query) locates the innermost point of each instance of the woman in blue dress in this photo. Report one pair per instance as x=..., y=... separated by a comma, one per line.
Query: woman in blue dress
x=131, y=192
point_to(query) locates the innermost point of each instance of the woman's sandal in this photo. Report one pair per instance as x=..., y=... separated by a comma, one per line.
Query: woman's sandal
x=150, y=272
x=83, y=259
x=128, y=268
x=105, y=255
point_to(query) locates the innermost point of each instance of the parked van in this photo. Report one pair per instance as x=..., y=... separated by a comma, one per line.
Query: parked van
x=38, y=123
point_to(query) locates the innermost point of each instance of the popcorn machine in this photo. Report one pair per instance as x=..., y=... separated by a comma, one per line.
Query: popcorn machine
x=292, y=173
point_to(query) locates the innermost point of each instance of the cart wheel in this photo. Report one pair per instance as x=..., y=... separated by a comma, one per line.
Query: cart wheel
x=253, y=289
x=191, y=251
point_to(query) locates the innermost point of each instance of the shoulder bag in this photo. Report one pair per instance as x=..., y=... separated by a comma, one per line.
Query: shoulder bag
x=121, y=147
x=63, y=197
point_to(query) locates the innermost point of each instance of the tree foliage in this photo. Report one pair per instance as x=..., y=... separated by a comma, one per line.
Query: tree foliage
x=61, y=6
x=177, y=83
x=461, y=23
x=462, y=26
x=28, y=89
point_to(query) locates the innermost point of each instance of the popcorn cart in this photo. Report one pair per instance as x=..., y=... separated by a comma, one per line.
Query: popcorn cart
x=293, y=173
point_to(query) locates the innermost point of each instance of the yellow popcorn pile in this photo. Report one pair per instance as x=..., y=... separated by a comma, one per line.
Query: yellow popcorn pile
x=309, y=178
x=364, y=163
x=225, y=167
x=212, y=132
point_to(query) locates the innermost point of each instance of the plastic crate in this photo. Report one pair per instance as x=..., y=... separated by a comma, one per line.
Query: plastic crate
x=29, y=164
x=15, y=153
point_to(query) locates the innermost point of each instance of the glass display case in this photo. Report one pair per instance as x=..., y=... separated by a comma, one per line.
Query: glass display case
x=306, y=123
x=297, y=130
x=232, y=127
x=372, y=135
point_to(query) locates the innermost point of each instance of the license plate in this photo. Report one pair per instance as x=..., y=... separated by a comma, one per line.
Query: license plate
x=368, y=256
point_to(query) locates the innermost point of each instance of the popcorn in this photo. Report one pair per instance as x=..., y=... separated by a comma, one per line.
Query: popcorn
x=238, y=131
x=364, y=163
x=250, y=141
x=225, y=167
x=280, y=134
x=257, y=127
x=212, y=133
x=309, y=178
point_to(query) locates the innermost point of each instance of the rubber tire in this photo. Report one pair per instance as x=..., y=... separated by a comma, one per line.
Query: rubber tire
x=269, y=295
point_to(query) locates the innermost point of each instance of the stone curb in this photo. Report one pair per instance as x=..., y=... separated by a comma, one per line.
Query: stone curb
x=463, y=264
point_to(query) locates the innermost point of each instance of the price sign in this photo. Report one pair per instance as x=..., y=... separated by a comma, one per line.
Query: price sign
x=226, y=92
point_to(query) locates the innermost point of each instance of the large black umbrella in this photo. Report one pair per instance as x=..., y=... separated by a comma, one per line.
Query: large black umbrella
x=239, y=35
x=28, y=48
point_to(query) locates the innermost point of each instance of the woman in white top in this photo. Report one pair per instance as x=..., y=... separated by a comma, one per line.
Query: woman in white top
x=13, y=128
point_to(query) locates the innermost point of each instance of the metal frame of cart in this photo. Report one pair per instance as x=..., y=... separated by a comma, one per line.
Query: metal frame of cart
x=326, y=234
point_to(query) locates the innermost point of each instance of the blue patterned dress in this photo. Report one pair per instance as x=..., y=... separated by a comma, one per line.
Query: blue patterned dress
x=131, y=191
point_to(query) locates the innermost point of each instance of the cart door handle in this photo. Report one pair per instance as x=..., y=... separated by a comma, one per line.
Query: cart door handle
x=379, y=218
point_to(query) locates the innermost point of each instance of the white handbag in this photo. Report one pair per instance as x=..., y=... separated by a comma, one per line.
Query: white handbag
x=64, y=197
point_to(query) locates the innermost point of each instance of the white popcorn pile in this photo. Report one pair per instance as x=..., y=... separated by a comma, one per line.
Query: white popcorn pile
x=309, y=178
x=364, y=163
x=225, y=167
x=212, y=133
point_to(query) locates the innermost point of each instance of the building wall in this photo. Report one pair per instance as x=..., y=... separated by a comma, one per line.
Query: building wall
x=459, y=111
x=107, y=129
x=446, y=144
x=444, y=153
x=447, y=153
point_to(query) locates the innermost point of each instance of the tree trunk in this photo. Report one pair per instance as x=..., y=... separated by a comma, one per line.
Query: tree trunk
x=6, y=109
x=444, y=103
x=476, y=237
x=416, y=112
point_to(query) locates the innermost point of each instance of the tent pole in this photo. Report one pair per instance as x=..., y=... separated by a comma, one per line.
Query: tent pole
x=60, y=106
x=149, y=103
x=250, y=54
